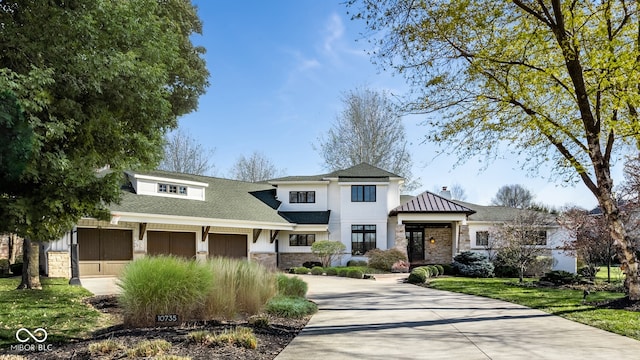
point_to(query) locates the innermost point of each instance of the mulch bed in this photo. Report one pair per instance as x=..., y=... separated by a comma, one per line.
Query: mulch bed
x=271, y=339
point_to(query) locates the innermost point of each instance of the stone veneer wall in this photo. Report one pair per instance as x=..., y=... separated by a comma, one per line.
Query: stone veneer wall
x=289, y=260
x=59, y=264
x=440, y=252
x=401, y=239
x=267, y=259
x=464, y=238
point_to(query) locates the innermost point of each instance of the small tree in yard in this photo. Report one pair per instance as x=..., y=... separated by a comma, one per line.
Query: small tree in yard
x=328, y=251
x=519, y=242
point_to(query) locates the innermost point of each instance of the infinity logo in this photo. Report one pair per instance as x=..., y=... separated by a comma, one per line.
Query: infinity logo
x=42, y=331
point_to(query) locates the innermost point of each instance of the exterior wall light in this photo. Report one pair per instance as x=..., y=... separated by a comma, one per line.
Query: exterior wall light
x=432, y=240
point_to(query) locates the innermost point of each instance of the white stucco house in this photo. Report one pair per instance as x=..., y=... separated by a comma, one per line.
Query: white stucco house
x=274, y=222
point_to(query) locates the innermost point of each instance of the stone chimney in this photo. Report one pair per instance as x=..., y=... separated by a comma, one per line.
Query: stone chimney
x=445, y=193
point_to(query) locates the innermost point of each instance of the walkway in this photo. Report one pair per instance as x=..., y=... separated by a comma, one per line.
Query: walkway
x=384, y=319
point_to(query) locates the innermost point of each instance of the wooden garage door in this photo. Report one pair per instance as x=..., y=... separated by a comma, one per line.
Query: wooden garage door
x=171, y=243
x=104, y=251
x=228, y=245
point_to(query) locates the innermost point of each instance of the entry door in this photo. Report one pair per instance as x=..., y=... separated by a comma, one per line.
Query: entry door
x=415, y=237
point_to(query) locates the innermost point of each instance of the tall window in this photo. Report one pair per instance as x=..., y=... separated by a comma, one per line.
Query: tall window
x=363, y=239
x=302, y=239
x=363, y=193
x=482, y=238
x=302, y=197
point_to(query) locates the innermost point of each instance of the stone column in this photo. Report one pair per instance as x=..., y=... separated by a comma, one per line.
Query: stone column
x=401, y=239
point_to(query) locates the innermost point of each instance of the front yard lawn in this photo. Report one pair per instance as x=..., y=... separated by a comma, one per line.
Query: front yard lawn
x=58, y=308
x=562, y=302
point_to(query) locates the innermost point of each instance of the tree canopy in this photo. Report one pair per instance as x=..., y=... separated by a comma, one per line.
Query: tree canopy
x=514, y=195
x=183, y=154
x=368, y=130
x=98, y=83
x=254, y=168
x=555, y=80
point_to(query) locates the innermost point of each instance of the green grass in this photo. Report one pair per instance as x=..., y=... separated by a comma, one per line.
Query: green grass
x=562, y=302
x=57, y=308
x=290, y=307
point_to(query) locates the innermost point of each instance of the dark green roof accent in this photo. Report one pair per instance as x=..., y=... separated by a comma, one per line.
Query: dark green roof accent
x=224, y=199
x=306, y=217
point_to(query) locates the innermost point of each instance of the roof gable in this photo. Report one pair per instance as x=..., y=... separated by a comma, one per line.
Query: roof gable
x=428, y=202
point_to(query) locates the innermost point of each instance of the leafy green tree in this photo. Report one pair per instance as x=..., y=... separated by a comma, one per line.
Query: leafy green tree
x=99, y=83
x=328, y=251
x=557, y=81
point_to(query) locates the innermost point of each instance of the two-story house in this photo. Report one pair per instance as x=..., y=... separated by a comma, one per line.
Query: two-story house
x=274, y=222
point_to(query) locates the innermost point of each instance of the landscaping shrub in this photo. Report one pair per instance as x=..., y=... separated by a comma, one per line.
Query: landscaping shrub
x=560, y=277
x=317, y=270
x=440, y=269
x=357, y=263
x=149, y=348
x=158, y=285
x=301, y=270
x=4, y=267
x=342, y=272
x=434, y=271
x=16, y=269
x=427, y=271
x=104, y=347
x=239, y=336
x=328, y=251
x=311, y=264
x=588, y=271
x=238, y=286
x=290, y=307
x=384, y=259
x=291, y=286
x=417, y=276
x=355, y=274
x=331, y=271
x=473, y=264
x=448, y=269
x=400, y=266
x=540, y=266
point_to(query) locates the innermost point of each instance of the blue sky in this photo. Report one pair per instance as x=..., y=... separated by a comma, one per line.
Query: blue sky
x=278, y=69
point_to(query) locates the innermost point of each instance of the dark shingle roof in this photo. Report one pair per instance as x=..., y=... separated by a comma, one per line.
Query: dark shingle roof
x=224, y=199
x=362, y=172
x=428, y=202
x=306, y=217
x=497, y=213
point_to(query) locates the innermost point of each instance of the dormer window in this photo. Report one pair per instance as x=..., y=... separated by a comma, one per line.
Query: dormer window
x=172, y=189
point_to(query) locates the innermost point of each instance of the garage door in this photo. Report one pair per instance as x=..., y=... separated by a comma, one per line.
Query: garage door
x=171, y=243
x=228, y=245
x=103, y=252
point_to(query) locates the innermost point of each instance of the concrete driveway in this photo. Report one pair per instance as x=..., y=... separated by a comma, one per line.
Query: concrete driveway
x=101, y=285
x=385, y=319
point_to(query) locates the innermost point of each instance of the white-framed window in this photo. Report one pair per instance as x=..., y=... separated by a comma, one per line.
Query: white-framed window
x=172, y=189
x=482, y=238
x=301, y=239
x=302, y=197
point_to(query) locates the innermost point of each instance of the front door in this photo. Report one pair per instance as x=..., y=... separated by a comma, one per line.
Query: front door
x=415, y=244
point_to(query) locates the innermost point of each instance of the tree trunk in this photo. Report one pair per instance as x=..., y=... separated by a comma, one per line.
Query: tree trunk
x=30, y=266
x=626, y=253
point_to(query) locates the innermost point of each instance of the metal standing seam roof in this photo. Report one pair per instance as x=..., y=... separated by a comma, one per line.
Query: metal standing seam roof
x=428, y=202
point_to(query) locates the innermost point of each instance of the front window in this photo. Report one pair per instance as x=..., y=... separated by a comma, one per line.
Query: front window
x=302, y=197
x=482, y=238
x=363, y=193
x=301, y=239
x=537, y=237
x=363, y=239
